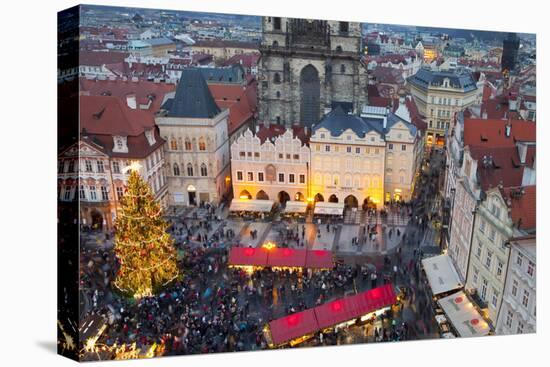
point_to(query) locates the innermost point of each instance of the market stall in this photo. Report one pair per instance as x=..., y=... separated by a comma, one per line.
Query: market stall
x=319, y=259
x=251, y=209
x=287, y=258
x=247, y=257
x=292, y=329
x=295, y=210
x=463, y=316
x=441, y=274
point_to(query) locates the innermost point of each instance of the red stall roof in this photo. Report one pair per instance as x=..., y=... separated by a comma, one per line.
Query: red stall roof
x=293, y=326
x=248, y=256
x=349, y=308
x=286, y=257
x=319, y=259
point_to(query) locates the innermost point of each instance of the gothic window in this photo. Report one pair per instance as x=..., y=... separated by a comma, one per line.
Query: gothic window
x=189, y=169
x=277, y=78
x=173, y=144
x=204, y=170
x=310, y=95
x=176, y=169
x=188, y=144
x=344, y=27
x=277, y=23
x=278, y=94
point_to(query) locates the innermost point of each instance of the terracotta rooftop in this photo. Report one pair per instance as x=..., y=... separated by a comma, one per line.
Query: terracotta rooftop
x=501, y=168
x=491, y=132
x=99, y=58
x=523, y=206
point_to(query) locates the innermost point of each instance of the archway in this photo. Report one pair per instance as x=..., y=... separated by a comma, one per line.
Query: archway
x=283, y=197
x=319, y=197
x=261, y=195
x=310, y=94
x=333, y=199
x=97, y=220
x=245, y=195
x=192, y=195
x=351, y=202
x=299, y=196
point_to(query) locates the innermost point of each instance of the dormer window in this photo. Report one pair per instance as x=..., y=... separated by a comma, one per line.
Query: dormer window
x=120, y=144
x=150, y=135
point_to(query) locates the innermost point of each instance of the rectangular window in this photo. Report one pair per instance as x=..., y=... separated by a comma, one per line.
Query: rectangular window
x=488, y=259
x=348, y=149
x=476, y=274
x=288, y=156
x=119, y=192
x=514, y=288
x=116, y=167
x=484, y=290
x=281, y=177
x=249, y=154
x=492, y=235
x=61, y=167
x=296, y=156
x=519, y=259
x=242, y=154
x=93, y=194
x=500, y=265
x=88, y=166
x=525, y=300
x=239, y=175
x=291, y=178
x=67, y=195
x=390, y=146
x=494, y=299
x=357, y=150
x=82, y=193
x=302, y=179
x=260, y=176
x=71, y=166
x=531, y=268
x=280, y=155
x=509, y=319
x=256, y=154
x=520, y=327
x=482, y=226
x=479, y=248
x=403, y=147
x=104, y=193
x=327, y=148
x=250, y=176
x=100, y=167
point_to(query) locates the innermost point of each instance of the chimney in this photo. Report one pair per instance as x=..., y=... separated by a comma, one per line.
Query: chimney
x=522, y=152
x=131, y=101
x=257, y=128
x=508, y=129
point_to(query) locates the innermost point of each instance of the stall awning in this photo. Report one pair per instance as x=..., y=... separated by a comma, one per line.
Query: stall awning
x=247, y=256
x=462, y=314
x=286, y=257
x=441, y=274
x=328, y=208
x=293, y=326
x=295, y=207
x=262, y=206
x=352, y=307
x=319, y=259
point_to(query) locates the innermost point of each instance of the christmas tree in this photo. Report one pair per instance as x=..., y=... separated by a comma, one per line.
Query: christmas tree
x=144, y=249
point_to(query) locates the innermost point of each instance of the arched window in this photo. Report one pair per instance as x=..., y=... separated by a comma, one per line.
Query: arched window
x=173, y=144
x=204, y=170
x=176, y=169
x=275, y=44
x=278, y=94
x=188, y=144
x=276, y=78
x=202, y=144
x=342, y=68
x=189, y=169
x=338, y=48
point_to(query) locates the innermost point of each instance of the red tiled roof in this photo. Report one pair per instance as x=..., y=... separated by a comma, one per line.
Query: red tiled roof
x=491, y=132
x=275, y=130
x=224, y=43
x=99, y=58
x=388, y=75
x=503, y=166
x=247, y=60
x=142, y=89
x=417, y=119
x=524, y=207
x=241, y=101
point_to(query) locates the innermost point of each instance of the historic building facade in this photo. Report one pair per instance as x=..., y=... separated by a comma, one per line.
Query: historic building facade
x=363, y=160
x=438, y=95
x=92, y=170
x=272, y=164
x=197, y=149
x=307, y=68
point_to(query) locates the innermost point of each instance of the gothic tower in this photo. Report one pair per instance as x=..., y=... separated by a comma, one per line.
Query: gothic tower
x=307, y=68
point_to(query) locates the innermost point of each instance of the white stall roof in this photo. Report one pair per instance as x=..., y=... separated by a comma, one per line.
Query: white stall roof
x=239, y=205
x=441, y=274
x=324, y=207
x=462, y=314
x=295, y=207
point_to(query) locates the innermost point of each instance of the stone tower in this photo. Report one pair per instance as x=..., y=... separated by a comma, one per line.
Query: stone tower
x=307, y=68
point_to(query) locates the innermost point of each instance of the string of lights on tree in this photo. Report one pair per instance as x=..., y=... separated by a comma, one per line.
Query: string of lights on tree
x=145, y=251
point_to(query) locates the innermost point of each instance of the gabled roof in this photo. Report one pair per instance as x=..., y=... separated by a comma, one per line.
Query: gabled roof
x=523, y=207
x=99, y=58
x=491, y=132
x=193, y=98
x=337, y=121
